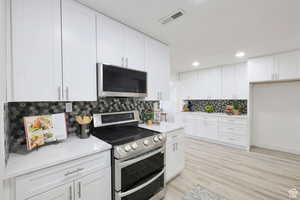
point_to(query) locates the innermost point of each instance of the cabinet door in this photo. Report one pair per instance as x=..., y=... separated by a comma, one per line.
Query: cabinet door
x=111, y=41
x=174, y=156
x=36, y=50
x=158, y=69
x=189, y=86
x=134, y=49
x=213, y=83
x=64, y=192
x=79, y=52
x=261, y=69
x=242, y=83
x=94, y=186
x=287, y=65
x=229, y=82
x=164, y=73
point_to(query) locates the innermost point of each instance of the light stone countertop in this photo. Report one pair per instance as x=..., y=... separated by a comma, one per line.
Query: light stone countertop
x=71, y=149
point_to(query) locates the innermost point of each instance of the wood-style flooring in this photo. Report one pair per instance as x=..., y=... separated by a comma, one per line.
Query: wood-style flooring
x=236, y=174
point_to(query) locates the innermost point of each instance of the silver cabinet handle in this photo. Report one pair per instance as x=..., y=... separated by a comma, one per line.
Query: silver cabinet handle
x=59, y=93
x=79, y=190
x=122, y=60
x=71, y=192
x=73, y=172
x=126, y=62
x=67, y=93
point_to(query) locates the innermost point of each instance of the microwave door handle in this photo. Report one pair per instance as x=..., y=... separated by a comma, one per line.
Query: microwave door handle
x=130, y=162
x=143, y=185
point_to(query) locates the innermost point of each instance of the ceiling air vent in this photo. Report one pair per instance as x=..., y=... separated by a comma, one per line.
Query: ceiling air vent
x=172, y=17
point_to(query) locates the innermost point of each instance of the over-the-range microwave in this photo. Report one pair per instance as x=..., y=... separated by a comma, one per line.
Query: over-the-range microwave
x=114, y=81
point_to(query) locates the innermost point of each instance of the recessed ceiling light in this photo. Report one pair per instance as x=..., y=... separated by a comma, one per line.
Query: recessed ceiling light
x=240, y=54
x=196, y=64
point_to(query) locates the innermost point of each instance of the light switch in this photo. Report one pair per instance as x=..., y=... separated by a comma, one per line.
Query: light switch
x=69, y=107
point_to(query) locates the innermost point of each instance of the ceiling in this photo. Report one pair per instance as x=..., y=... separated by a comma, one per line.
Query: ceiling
x=212, y=31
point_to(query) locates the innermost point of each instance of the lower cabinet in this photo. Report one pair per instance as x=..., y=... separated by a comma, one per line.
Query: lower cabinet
x=88, y=178
x=174, y=154
x=94, y=186
x=90, y=187
x=63, y=192
x=226, y=130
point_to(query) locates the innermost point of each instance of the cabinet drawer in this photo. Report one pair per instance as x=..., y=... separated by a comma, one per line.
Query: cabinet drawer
x=229, y=128
x=233, y=138
x=229, y=120
x=43, y=180
x=174, y=136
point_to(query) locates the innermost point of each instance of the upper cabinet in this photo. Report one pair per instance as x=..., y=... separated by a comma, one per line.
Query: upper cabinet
x=228, y=82
x=278, y=67
x=235, y=83
x=158, y=70
x=261, y=69
x=119, y=45
x=36, y=50
x=54, y=51
x=79, y=52
x=134, y=49
x=110, y=41
x=287, y=65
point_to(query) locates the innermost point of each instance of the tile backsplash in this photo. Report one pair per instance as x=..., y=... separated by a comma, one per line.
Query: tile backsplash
x=218, y=104
x=16, y=112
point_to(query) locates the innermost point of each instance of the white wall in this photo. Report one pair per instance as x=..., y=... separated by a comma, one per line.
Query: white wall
x=276, y=116
x=2, y=85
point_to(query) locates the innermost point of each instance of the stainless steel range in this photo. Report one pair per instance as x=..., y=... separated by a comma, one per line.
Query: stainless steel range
x=138, y=156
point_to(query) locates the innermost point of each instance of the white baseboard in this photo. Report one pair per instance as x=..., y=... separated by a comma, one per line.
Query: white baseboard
x=278, y=148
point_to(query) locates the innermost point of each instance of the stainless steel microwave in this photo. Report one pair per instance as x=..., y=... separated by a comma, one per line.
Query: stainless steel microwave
x=116, y=81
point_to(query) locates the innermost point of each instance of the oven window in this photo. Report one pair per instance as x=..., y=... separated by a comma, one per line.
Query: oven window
x=147, y=192
x=142, y=171
x=117, y=79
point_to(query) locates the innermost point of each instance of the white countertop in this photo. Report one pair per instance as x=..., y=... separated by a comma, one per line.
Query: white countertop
x=163, y=127
x=217, y=114
x=71, y=149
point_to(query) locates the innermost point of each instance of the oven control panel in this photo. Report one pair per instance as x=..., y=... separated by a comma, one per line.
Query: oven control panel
x=139, y=146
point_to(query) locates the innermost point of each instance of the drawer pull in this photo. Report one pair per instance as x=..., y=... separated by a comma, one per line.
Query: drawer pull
x=73, y=172
x=71, y=192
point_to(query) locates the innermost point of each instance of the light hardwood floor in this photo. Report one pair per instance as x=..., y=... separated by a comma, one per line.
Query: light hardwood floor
x=236, y=174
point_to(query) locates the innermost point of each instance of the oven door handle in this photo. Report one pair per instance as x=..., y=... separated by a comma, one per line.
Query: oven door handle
x=142, y=186
x=130, y=162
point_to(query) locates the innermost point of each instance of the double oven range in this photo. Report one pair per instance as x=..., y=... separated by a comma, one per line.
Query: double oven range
x=138, y=156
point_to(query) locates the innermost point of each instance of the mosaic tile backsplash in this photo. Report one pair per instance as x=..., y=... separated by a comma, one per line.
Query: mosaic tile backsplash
x=16, y=112
x=219, y=105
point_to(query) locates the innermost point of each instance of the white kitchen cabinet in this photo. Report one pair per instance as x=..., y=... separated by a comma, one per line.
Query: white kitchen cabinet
x=83, y=178
x=242, y=83
x=209, y=127
x=261, y=69
x=158, y=70
x=189, y=86
x=64, y=192
x=36, y=50
x=93, y=186
x=287, y=65
x=174, y=154
x=79, y=52
x=119, y=45
x=229, y=82
x=110, y=42
x=222, y=129
x=134, y=49
x=212, y=83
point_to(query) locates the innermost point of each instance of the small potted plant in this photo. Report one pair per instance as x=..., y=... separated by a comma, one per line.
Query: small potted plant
x=236, y=109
